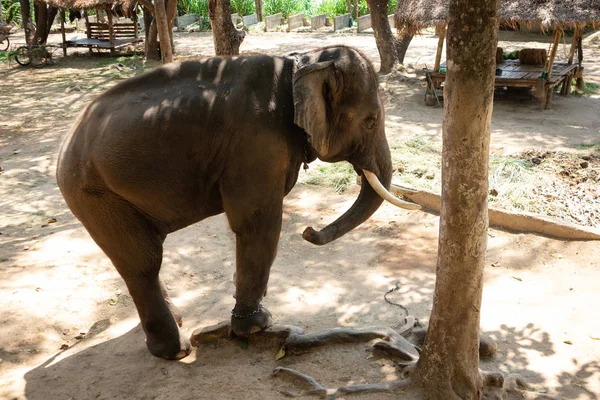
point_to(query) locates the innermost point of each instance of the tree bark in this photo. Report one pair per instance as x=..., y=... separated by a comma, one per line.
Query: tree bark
x=151, y=35
x=171, y=14
x=449, y=365
x=44, y=17
x=1, y=15
x=226, y=38
x=28, y=26
x=355, y=9
x=162, y=24
x=384, y=38
x=258, y=5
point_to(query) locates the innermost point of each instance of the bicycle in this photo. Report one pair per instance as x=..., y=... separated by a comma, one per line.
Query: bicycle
x=36, y=55
x=4, y=40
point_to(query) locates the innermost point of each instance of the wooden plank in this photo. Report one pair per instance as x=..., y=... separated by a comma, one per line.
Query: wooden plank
x=440, y=46
x=511, y=75
x=62, y=31
x=557, y=35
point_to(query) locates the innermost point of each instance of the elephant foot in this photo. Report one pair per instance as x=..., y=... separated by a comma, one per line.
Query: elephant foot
x=247, y=324
x=172, y=349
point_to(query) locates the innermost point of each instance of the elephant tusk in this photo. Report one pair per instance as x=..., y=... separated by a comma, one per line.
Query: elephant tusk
x=385, y=194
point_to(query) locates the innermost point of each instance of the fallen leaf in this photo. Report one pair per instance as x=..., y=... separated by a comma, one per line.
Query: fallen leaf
x=567, y=342
x=517, y=278
x=51, y=220
x=496, y=264
x=557, y=255
x=594, y=338
x=280, y=354
x=64, y=346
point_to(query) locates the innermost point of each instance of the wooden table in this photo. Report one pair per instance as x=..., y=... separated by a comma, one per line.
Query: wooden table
x=516, y=75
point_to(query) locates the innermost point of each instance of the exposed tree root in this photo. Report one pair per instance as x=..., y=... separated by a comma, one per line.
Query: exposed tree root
x=312, y=387
x=299, y=344
x=402, y=344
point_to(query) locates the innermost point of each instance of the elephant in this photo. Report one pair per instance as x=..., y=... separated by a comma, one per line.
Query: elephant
x=183, y=142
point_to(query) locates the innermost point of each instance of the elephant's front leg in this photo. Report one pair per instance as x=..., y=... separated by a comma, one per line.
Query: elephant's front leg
x=257, y=234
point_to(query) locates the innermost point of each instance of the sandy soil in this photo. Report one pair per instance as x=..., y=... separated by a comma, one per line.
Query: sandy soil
x=58, y=290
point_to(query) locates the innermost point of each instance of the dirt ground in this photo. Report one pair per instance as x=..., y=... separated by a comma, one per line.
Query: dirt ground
x=69, y=330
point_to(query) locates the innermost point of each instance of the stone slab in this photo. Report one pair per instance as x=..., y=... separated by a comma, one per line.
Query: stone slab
x=364, y=23
x=236, y=19
x=295, y=21
x=318, y=21
x=250, y=20
x=341, y=22
x=273, y=21
x=185, y=20
x=391, y=21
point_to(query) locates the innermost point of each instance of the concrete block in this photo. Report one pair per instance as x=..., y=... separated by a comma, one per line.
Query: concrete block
x=341, y=22
x=318, y=21
x=273, y=21
x=250, y=20
x=364, y=23
x=185, y=20
x=295, y=21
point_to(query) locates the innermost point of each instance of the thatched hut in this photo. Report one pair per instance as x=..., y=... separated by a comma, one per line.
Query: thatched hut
x=555, y=15
x=104, y=33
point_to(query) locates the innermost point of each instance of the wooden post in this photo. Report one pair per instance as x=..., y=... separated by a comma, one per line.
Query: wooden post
x=111, y=31
x=62, y=31
x=136, y=25
x=578, y=31
x=440, y=46
x=550, y=62
x=87, y=27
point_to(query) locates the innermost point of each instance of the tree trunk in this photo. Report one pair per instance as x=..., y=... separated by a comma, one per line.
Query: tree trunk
x=100, y=18
x=349, y=6
x=26, y=21
x=402, y=45
x=384, y=38
x=258, y=5
x=227, y=39
x=151, y=35
x=449, y=364
x=44, y=17
x=171, y=14
x=162, y=24
x=1, y=16
x=355, y=9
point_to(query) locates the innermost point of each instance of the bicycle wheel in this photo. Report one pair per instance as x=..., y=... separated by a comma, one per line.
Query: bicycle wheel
x=38, y=56
x=22, y=56
x=4, y=45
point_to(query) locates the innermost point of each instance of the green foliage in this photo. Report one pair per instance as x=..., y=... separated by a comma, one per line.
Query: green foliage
x=11, y=10
x=330, y=7
x=4, y=56
x=194, y=7
x=285, y=7
x=339, y=176
x=243, y=7
x=511, y=55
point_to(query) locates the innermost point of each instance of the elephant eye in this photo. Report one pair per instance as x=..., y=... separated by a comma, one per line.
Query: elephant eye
x=370, y=121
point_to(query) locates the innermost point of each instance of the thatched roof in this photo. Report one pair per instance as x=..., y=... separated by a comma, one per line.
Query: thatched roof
x=120, y=5
x=418, y=14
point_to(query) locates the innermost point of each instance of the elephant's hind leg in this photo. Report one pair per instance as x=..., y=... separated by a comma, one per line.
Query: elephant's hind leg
x=135, y=245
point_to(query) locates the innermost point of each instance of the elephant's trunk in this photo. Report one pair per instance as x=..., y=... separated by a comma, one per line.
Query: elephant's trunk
x=368, y=200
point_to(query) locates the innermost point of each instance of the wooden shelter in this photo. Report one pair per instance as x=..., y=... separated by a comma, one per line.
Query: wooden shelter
x=555, y=15
x=105, y=33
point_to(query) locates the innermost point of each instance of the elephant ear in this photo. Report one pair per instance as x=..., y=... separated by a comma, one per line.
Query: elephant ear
x=312, y=86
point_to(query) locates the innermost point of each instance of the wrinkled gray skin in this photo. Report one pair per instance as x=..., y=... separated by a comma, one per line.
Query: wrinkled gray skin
x=183, y=142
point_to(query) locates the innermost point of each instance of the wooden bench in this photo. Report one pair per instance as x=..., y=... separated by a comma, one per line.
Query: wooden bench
x=108, y=36
x=515, y=74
